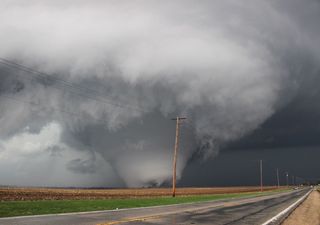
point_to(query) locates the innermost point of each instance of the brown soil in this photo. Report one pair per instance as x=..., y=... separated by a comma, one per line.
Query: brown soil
x=308, y=213
x=18, y=194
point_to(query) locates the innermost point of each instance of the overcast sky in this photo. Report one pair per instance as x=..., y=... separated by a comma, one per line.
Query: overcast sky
x=245, y=74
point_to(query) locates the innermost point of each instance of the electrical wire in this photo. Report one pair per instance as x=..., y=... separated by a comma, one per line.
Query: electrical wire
x=75, y=89
x=104, y=122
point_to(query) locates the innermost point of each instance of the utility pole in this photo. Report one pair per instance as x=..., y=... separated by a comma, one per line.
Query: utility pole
x=176, y=147
x=261, y=179
x=278, y=181
x=293, y=183
x=287, y=177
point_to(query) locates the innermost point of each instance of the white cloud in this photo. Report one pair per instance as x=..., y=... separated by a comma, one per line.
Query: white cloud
x=32, y=144
x=42, y=159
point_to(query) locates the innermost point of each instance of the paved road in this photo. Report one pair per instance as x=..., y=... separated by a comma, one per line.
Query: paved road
x=233, y=211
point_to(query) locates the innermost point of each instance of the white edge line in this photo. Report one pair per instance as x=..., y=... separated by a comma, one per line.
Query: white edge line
x=276, y=217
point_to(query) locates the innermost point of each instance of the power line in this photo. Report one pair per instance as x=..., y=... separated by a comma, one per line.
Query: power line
x=45, y=76
x=51, y=108
x=71, y=87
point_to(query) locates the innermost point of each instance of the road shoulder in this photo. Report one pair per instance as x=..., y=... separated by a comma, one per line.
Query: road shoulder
x=308, y=213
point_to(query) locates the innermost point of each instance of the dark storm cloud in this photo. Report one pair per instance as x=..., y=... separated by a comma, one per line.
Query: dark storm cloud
x=241, y=167
x=227, y=66
x=295, y=124
x=82, y=166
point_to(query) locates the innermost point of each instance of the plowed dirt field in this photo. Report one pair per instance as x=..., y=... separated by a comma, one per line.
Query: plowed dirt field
x=18, y=194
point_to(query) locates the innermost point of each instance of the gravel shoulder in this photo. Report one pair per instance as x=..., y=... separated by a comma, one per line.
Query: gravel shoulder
x=308, y=213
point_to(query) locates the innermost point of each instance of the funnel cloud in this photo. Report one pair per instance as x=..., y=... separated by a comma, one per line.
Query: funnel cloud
x=122, y=69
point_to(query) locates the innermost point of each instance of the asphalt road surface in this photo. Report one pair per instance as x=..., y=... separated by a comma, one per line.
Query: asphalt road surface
x=247, y=211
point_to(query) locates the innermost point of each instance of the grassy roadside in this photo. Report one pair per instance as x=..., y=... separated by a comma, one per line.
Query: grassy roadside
x=24, y=208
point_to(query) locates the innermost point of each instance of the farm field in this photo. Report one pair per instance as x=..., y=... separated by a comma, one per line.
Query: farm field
x=31, y=194
x=35, y=201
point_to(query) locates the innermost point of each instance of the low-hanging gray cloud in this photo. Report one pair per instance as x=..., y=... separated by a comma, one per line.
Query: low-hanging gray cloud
x=227, y=66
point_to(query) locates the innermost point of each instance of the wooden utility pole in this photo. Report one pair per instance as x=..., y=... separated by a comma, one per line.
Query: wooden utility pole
x=176, y=147
x=278, y=181
x=293, y=183
x=261, y=179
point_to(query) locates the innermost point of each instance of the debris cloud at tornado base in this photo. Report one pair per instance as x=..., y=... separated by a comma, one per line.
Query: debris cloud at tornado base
x=132, y=66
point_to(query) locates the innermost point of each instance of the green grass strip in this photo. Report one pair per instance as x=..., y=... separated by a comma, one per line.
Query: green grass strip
x=25, y=208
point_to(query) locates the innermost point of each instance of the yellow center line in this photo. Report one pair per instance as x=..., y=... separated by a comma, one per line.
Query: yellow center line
x=231, y=204
x=134, y=219
x=127, y=220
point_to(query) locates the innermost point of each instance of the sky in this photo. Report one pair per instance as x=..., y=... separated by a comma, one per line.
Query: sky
x=88, y=91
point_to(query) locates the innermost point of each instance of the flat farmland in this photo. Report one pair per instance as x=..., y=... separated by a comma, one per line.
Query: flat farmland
x=33, y=194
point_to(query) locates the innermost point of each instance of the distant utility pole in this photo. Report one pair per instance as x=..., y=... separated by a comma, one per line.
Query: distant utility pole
x=287, y=177
x=261, y=179
x=176, y=147
x=278, y=181
x=293, y=183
